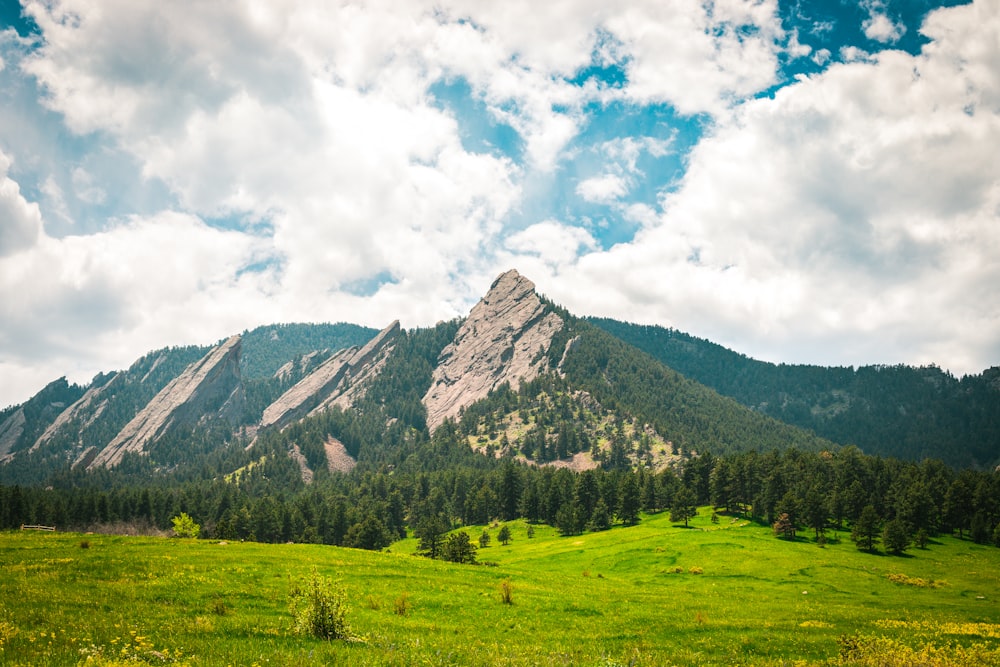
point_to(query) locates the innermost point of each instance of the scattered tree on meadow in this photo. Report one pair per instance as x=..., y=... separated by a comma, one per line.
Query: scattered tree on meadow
x=783, y=527
x=484, y=539
x=458, y=548
x=684, y=507
x=185, y=526
x=431, y=530
x=504, y=535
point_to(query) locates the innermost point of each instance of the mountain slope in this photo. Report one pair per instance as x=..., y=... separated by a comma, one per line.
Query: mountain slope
x=901, y=411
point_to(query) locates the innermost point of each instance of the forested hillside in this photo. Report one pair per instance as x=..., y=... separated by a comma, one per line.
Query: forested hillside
x=903, y=411
x=268, y=348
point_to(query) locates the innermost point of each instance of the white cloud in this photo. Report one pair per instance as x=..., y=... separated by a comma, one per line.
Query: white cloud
x=878, y=26
x=603, y=189
x=856, y=213
x=20, y=221
x=309, y=131
x=546, y=248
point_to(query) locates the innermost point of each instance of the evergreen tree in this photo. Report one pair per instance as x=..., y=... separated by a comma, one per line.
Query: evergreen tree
x=683, y=508
x=504, y=535
x=458, y=548
x=896, y=536
x=431, y=530
x=600, y=519
x=370, y=533
x=866, y=529
x=630, y=504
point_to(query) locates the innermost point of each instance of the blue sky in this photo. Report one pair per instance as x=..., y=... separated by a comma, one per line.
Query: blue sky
x=805, y=182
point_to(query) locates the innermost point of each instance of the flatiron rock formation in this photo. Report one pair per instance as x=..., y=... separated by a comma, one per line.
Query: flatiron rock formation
x=10, y=430
x=332, y=379
x=92, y=403
x=203, y=387
x=506, y=338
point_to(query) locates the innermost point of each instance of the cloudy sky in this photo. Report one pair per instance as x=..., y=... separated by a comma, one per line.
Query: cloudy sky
x=809, y=182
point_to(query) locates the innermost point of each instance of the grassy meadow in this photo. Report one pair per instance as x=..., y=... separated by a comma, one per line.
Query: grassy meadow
x=653, y=594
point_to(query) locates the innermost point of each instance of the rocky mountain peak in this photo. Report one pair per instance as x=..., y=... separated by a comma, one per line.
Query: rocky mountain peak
x=505, y=338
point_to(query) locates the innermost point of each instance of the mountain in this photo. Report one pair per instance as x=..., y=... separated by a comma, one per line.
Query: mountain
x=902, y=411
x=519, y=378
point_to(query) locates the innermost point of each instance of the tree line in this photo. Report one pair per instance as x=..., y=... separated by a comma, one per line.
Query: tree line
x=805, y=494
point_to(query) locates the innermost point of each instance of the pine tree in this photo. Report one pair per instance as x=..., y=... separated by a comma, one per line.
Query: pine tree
x=458, y=548
x=628, y=510
x=896, y=536
x=683, y=507
x=866, y=529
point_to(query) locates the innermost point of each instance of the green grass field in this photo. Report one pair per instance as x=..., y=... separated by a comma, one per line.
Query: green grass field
x=626, y=596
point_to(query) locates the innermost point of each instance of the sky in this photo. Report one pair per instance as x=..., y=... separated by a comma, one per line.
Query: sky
x=813, y=181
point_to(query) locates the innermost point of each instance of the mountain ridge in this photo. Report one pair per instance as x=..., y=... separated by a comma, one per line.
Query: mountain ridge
x=593, y=398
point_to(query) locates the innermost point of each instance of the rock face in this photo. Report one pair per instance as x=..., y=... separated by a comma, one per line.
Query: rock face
x=506, y=338
x=203, y=387
x=92, y=403
x=339, y=380
x=10, y=430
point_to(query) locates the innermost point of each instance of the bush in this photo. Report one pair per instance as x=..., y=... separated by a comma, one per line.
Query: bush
x=319, y=609
x=184, y=526
x=402, y=604
x=506, y=592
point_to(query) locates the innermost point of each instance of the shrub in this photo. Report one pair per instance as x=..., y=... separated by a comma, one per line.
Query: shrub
x=219, y=607
x=184, y=526
x=695, y=570
x=319, y=609
x=402, y=604
x=506, y=592
x=85, y=544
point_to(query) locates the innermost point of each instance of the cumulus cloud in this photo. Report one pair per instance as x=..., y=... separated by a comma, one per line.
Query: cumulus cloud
x=879, y=26
x=554, y=243
x=20, y=221
x=299, y=151
x=850, y=207
x=602, y=189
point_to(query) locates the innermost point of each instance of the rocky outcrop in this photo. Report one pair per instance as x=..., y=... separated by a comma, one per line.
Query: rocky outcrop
x=506, y=338
x=203, y=387
x=85, y=405
x=10, y=430
x=342, y=377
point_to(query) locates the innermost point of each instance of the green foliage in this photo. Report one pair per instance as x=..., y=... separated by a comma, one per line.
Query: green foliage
x=504, y=535
x=684, y=507
x=267, y=348
x=319, y=609
x=896, y=536
x=458, y=548
x=866, y=529
x=185, y=526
